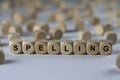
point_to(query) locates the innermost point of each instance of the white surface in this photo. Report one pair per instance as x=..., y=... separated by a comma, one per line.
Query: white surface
x=59, y=67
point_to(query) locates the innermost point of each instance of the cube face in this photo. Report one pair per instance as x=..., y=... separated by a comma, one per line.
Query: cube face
x=4, y=29
x=79, y=47
x=105, y=48
x=41, y=47
x=79, y=26
x=53, y=47
x=111, y=36
x=13, y=36
x=15, y=47
x=94, y=20
x=62, y=26
x=56, y=34
x=92, y=48
x=2, y=57
x=40, y=34
x=28, y=47
x=66, y=47
x=84, y=35
x=30, y=26
x=118, y=61
x=45, y=27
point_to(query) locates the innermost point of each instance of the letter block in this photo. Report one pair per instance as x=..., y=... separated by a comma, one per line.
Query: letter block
x=66, y=47
x=92, y=48
x=53, y=47
x=105, y=47
x=79, y=47
x=2, y=56
x=41, y=46
x=28, y=47
x=15, y=46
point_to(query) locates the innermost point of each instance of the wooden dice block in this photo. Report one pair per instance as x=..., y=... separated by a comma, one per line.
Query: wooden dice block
x=4, y=28
x=94, y=20
x=60, y=17
x=31, y=11
x=62, y=26
x=45, y=27
x=15, y=46
x=92, y=48
x=55, y=34
x=28, y=47
x=13, y=36
x=40, y=34
x=30, y=26
x=84, y=35
x=111, y=36
x=102, y=28
x=36, y=28
x=18, y=18
x=79, y=26
x=2, y=56
x=53, y=47
x=52, y=17
x=118, y=61
x=79, y=47
x=118, y=23
x=15, y=29
x=105, y=47
x=41, y=46
x=66, y=47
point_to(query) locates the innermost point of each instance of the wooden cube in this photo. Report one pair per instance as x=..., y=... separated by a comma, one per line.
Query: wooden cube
x=31, y=12
x=79, y=47
x=66, y=47
x=45, y=27
x=36, y=28
x=84, y=35
x=118, y=61
x=111, y=36
x=94, y=20
x=15, y=29
x=79, y=26
x=53, y=47
x=13, y=36
x=92, y=48
x=4, y=28
x=55, y=34
x=60, y=17
x=105, y=47
x=30, y=26
x=62, y=26
x=15, y=46
x=2, y=56
x=40, y=34
x=102, y=28
x=28, y=47
x=18, y=18
x=41, y=46
x=52, y=17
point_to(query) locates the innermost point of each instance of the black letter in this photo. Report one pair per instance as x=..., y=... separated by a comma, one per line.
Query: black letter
x=15, y=47
x=79, y=48
x=53, y=48
x=66, y=49
x=105, y=48
x=28, y=47
x=92, y=48
x=41, y=47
